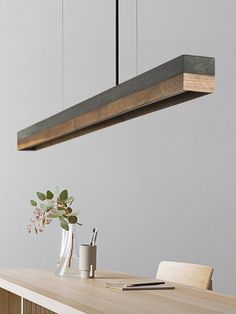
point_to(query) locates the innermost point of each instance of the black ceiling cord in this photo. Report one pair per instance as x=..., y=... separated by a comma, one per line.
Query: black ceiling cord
x=117, y=41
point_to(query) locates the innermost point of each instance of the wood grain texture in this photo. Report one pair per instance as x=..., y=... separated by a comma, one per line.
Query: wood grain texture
x=179, y=89
x=176, y=81
x=198, y=83
x=195, y=275
x=73, y=295
x=10, y=303
x=32, y=308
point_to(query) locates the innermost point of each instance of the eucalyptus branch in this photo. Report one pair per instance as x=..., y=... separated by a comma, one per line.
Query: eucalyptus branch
x=52, y=207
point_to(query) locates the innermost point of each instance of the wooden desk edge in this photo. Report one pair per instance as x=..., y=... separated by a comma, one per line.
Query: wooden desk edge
x=37, y=298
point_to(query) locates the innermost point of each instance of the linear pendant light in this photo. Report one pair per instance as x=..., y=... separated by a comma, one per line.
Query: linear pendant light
x=179, y=80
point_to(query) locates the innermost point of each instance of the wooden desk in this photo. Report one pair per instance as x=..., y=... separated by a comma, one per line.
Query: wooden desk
x=40, y=291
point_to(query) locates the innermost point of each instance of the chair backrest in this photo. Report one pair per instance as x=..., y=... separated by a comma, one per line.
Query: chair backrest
x=194, y=275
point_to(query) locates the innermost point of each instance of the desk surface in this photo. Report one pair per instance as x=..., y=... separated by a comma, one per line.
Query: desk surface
x=75, y=295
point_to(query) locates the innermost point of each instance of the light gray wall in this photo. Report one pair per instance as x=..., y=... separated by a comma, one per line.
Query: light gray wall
x=158, y=187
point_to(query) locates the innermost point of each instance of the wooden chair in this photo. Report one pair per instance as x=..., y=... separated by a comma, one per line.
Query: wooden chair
x=198, y=276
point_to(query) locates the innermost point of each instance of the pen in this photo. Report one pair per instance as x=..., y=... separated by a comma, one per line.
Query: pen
x=95, y=237
x=92, y=238
x=145, y=284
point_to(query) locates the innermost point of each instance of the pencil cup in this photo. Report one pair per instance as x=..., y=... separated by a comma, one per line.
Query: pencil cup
x=87, y=260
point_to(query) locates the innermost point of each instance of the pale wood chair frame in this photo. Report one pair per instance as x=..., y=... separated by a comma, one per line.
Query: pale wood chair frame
x=195, y=275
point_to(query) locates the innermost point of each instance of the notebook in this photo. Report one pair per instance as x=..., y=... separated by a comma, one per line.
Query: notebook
x=123, y=286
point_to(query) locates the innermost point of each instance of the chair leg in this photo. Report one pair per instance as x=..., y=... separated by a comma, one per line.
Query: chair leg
x=210, y=286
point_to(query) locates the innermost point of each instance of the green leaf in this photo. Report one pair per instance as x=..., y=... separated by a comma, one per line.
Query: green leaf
x=49, y=207
x=65, y=226
x=41, y=196
x=53, y=215
x=72, y=219
x=70, y=200
x=64, y=223
x=60, y=208
x=69, y=210
x=43, y=207
x=49, y=195
x=33, y=203
x=64, y=195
